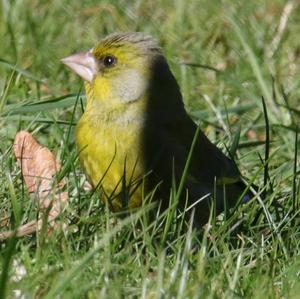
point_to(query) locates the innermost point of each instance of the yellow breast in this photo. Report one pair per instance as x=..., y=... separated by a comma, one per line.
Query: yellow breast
x=110, y=153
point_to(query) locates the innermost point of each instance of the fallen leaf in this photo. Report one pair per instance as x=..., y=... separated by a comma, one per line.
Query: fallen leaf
x=39, y=168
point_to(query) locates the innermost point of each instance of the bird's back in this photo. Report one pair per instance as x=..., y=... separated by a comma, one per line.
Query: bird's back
x=168, y=136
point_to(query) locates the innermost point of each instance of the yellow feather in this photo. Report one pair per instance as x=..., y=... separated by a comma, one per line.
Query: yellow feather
x=107, y=142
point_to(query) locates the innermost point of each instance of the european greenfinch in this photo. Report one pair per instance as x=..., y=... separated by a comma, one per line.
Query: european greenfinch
x=135, y=135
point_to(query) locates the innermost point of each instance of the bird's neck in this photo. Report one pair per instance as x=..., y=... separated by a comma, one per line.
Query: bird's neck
x=115, y=112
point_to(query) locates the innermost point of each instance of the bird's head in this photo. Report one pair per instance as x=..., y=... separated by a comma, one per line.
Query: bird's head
x=118, y=68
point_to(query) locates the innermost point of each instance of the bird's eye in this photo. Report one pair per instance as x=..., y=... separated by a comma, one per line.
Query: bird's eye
x=109, y=60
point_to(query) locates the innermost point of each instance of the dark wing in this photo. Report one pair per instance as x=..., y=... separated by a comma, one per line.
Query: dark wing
x=168, y=136
x=208, y=162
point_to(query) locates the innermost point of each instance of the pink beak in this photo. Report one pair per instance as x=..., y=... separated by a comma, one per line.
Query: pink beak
x=83, y=64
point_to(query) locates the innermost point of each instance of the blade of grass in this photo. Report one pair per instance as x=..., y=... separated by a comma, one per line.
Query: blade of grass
x=235, y=142
x=66, y=141
x=203, y=114
x=56, y=103
x=16, y=207
x=294, y=194
x=76, y=270
x=6, y=265
x=199, y=65
x=5, y=93
x=255, y=65
x=20, y=71
x=36, y=119
x=267, y=148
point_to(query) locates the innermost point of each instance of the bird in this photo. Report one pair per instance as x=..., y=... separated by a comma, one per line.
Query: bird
x=135, y=136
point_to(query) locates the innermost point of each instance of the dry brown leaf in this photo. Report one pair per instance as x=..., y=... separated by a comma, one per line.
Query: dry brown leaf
x=39, y=167
x=38, y=164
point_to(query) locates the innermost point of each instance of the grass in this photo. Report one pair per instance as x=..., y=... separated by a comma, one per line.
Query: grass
x=226, y=56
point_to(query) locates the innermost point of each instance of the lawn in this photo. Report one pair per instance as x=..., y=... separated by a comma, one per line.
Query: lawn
x=230, y=58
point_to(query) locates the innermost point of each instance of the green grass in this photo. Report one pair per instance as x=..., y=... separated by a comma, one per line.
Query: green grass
x=222, y=56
